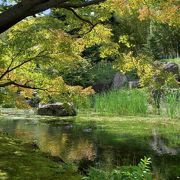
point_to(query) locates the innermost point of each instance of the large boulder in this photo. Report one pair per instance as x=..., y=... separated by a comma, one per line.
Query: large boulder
x=57, y=109
x=119, y=80
x=171, y=67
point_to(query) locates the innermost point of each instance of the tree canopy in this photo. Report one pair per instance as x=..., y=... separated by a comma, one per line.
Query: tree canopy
x=36, y=50
x=13, y=12
x=35, y=47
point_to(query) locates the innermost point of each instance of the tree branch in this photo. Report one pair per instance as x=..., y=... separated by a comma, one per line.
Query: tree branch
x=79, y=17
x=91, y=28
x=86, y=21
x=20, y=85
x=27, y=86
x=19, y=65
x=5, y=84
x=26, y=8
x=84, y=4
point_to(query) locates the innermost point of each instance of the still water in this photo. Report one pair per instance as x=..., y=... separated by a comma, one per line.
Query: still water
x=91, y=144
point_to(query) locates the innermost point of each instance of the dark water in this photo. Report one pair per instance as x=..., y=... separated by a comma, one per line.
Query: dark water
x=87, y=146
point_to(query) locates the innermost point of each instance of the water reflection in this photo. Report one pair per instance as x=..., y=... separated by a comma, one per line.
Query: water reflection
x=23, y=134
x=74, y=143
x=83, y=149
x=57, y=140
x=159, y=146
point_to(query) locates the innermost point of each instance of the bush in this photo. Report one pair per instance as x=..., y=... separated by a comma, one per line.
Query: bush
x=139, y=172
x=103, y=72
x=85, y=73
x=77, y=73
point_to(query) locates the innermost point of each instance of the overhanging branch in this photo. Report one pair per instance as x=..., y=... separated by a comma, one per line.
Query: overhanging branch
x=9, y=83
x=19, y=65
x=26, y=8
x=80, y=17
x=86, y=21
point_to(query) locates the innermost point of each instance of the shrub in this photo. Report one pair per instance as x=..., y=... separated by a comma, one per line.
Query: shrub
x=139, y=172
x=103, y=72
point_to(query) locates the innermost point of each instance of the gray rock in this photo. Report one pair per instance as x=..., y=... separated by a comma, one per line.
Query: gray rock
x=34, y=101
x=171, y=67
x=159, y=146
x=133, y=84
x=119, y=80
x=57, y=109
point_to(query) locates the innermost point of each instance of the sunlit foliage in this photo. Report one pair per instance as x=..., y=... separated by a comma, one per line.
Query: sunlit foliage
x=31, y=61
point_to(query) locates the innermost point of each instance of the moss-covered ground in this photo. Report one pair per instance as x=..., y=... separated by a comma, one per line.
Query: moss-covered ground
x=23, y=161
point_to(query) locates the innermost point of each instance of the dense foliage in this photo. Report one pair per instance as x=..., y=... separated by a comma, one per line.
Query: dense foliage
x=141, y=171
x=69, y=45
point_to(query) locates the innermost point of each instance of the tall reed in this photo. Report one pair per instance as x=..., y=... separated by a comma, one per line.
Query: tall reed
x=172, y=104
x=122, y=102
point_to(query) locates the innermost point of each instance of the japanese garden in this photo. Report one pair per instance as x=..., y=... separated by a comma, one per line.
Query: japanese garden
x=90, y=89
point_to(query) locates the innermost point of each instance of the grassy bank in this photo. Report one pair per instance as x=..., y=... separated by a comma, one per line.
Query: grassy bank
x=23, y=161
x=134, y=102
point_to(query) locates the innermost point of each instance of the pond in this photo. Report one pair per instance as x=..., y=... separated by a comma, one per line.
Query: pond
x=101, y=141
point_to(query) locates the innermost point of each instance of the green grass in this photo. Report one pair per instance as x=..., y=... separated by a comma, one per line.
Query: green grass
x=172, y=104
x=134, y=127
x=132, y=102
x=122, y=102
